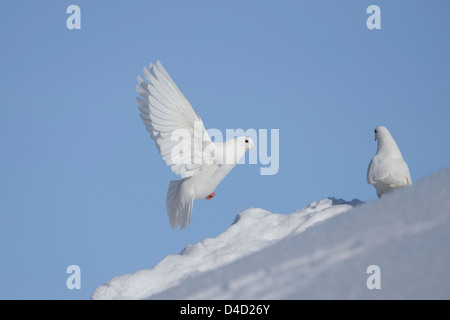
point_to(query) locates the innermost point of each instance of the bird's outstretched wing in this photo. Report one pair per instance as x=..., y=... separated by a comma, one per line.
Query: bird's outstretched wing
x=178, y=131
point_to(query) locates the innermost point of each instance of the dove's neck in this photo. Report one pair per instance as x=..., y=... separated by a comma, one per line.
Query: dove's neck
x=387, y=145
x=230, y=151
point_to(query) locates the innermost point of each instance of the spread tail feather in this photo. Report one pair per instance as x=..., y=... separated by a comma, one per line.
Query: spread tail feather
x=179, y=204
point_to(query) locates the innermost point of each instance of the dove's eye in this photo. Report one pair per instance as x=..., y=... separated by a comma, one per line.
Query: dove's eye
x=246, y=141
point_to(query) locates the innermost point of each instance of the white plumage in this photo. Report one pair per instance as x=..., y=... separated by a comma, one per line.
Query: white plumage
x=387, y=171
x=184, y=144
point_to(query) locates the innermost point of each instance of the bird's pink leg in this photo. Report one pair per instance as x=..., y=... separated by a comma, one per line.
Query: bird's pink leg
x=210, y=196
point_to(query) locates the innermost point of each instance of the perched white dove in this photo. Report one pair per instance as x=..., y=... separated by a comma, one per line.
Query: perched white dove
x=184, y=144
x=387, y=171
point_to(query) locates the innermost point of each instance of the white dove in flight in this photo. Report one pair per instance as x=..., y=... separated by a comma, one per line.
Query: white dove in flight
x=387, y=171
x=184, y=144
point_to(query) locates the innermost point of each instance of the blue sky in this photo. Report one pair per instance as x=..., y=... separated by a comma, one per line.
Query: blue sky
x=82, y=183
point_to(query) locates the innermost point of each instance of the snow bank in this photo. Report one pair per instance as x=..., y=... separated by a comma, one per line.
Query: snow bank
x=263, y=255
x=405, y=234
x=252, y=230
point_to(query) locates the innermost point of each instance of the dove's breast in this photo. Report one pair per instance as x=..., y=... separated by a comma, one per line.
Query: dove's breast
x=207, y=179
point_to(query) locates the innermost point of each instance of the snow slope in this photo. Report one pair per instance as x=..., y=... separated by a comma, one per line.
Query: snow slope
x=275, y=256
x=252, y=230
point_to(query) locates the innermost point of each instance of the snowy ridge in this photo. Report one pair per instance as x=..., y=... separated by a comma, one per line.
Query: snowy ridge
x=276, y=256
x=252, y=230
x=406, y=234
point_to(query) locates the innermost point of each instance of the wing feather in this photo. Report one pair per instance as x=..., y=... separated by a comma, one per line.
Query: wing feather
x=166, y=114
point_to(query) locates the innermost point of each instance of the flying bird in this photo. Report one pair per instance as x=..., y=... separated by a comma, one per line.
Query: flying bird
x=184, y=144
x=387, y=170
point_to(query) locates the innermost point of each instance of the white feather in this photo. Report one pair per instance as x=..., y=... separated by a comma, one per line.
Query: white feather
x=168, y=116
x=387, y=170
x=164, y=109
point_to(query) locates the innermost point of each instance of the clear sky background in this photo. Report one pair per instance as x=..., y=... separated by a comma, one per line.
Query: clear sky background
x=81, y=182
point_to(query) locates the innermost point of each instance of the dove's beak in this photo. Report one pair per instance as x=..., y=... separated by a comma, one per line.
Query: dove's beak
x=252, y=146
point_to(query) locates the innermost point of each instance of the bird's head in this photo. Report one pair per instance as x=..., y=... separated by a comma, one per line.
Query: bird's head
x=249, y=145
x=386, y=144
x=232, y=150
x=380, y=132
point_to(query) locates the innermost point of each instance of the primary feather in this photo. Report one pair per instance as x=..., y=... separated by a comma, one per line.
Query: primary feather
x=167, y=114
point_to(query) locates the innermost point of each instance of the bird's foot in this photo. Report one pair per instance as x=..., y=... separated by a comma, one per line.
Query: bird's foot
x=210, y=196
